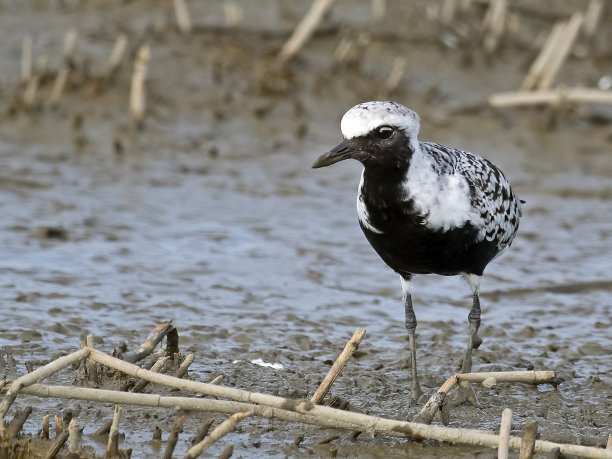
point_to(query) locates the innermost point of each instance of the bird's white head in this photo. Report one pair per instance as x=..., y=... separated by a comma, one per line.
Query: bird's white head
x=364, y=118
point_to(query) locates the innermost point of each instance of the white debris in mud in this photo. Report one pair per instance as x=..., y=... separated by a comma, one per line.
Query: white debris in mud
x=261, y=363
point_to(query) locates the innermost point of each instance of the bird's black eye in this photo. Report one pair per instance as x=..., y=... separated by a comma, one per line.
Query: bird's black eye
x=384, y=132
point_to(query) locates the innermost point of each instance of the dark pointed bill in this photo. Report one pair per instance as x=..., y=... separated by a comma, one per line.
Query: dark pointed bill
x=340, y=152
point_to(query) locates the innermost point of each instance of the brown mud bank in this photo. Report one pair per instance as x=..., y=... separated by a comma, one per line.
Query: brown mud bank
x=207, y=212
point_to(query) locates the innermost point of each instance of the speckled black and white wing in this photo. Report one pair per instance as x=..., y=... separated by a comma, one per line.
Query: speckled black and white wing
x=490, y=194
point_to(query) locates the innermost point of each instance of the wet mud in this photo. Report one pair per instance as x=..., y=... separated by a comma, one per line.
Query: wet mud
x=209, y=214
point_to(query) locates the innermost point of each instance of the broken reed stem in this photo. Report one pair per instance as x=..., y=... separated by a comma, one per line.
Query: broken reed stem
x=137, y=92
x=433, y=405
x=57, y=444
x=69, y=46
x=395, y=75
x=17, y=422
x=222, y=429
x=157, y=367
x=351, y=346
x=173, y=438
x=304, y=29
x=162, y=329
x=550, y=97
x=609, y=444
x=91, y=365
x=233, y=14
x=202, y=432
x=45, y=427
x=562, y=49
x=59, y=425
x=591, y=17
x=493, y=24
x=539, y=64
x=73, y=435
x=504, y=434
x=29, y=95
x=112, y=447
x=183, y=18
x=528, y=440
x=35, y=376
x=117, y=54
x=182, y=369
x=227, y=452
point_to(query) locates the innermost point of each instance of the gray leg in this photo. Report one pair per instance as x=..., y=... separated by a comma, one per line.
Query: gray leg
x=474, y=320
x=411, y=324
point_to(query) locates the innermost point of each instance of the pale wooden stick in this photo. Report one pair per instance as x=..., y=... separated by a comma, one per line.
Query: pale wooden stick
x=379, y=8
x=493, y=24
x=26, y=59
x=541, y=61
x=37, y=375
x=304, y=29
x=162, y=329
x=57, y=444
x=550, y=97
x=137, y=92
x=157, y=366
x=609, y=444
x=185, y=403
x=564, y=45
x=528, y=440
x=504, y=434
x=429, y=410
x=173, y=438
x=180, y=372
x=591, y=17
x=17, y=422
x=69, y=46
x=222, y=429
x=351, y=346
x=92, y=366
x=73, y=434
x=117, y=54
x=112, y=447
x=233, y=14
x=183, y=18
x=45, y=427
x=58, y=85
x=314, y=414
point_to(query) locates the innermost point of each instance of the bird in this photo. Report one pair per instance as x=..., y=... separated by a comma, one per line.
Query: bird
x=424, y=207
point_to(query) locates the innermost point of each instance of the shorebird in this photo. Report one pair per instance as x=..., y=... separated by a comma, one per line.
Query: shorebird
x=424, y=207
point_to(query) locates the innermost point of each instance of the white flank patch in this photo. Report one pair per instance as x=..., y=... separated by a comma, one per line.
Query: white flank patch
x=362, y=212
x=363, y=118
x=444, y=200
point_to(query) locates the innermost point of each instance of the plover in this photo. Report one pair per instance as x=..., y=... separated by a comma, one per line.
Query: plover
x=424, y=207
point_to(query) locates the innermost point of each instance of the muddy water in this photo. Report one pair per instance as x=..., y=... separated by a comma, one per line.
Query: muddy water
x=212, y=217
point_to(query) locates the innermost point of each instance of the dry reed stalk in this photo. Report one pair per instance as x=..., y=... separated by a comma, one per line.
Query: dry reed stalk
x=344, y=46
x=304, y=29
x=227, y=452
x=57, y=444
x=202, y=432
x=541, y=61
x=17, y=422
x=59, y=425
x=92, y=366
x=233, y=14
x=137, y=92
x=29, y=95
x=592, y=15
x=395, y=76
x=26, y=59
x=528, y=440
x=58, y=85
x=173, y=438
x=447, y=11
x=157, y=367
x=504, y=434
x=117, y=54
x=216, y=379
x=222, y=429
x=434, y=404
x=311, y=413
x=185, y=403
x=550, y=97
x=182, y=369
x=73, y=435
x=112, y=447
x=563, y=47
x=494, y=23
x=35, y=376
x=183, y=18
x=379, y=8
x=351, y=346
x=69, y=47
x=45, y=427
x=609, y=444
x=162, y=329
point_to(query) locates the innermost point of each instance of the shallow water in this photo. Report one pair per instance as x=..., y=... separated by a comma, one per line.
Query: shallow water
x=217, y=222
